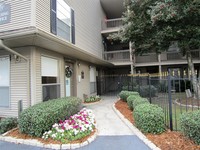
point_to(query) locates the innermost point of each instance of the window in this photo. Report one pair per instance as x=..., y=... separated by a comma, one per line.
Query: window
x=4, y=81
x=62, y=20
x=50, y=82
x=93, y=88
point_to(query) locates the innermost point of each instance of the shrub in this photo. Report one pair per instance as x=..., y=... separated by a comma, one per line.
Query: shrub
x=92, y=99
x=190, y=125
x=7, y=124
x=39, y=118
x=145, y=90
x=125, y=94
x=139, y=101
x=130, y=100
x=149, y=118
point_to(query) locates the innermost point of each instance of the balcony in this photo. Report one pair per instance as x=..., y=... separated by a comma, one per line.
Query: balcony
x=119, y=56
x=111, y=25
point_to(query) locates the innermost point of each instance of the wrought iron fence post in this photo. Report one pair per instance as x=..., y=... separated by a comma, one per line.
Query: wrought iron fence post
x=149, y=77
x=170, y=101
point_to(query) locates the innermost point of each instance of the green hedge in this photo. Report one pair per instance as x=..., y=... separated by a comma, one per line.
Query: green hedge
x=7, y=124
x=190, y=125
x=145, y=90
x=149, y=118
x=125, y=94
x=130, y=100
x=139, y=101
x=39, y=118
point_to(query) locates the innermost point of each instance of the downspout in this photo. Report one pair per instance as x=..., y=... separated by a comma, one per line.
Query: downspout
x=26, y=59
x=10, y=50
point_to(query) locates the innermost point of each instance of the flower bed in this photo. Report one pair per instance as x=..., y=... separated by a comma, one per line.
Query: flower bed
x=76, y=127
x=92, y=99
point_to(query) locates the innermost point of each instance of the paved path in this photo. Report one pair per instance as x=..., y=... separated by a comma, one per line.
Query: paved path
x=113, y=133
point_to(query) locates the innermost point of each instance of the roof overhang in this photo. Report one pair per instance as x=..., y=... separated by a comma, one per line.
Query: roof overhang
x=113, y=8
x=35, y=37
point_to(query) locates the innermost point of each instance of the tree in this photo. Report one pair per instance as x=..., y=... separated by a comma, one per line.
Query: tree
x=180, y=21
x=153, y=24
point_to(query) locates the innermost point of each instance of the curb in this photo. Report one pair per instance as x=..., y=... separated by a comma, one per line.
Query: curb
x=33, y=142
x=137, y=132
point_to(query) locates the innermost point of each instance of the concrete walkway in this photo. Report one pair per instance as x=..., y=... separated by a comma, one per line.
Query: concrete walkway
x=113, y=134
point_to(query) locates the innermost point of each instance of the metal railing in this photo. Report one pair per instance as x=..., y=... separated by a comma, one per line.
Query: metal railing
x=124, y=55
x=120, y=55
x=111, y=23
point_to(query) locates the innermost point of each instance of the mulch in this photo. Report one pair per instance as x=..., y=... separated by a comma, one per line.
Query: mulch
x=169, y=140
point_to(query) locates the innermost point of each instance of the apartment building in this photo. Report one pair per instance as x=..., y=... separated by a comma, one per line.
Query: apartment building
x=57, y=48
x=48, y=49
x=121, y=55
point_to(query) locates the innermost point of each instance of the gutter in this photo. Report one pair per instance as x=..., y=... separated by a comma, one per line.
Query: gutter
x=10, y=50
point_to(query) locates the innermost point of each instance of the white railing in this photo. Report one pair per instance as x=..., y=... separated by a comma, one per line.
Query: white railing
x=111, y=23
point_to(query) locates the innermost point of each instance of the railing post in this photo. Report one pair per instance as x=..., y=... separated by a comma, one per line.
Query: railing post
x=170, y=101
x=149, y=77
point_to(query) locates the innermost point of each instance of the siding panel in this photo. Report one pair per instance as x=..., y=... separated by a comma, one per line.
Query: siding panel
x=20, y=15
x=43, y=15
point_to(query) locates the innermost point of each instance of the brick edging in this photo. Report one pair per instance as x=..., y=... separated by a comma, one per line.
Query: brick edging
x=137, y=132
x=33, y=142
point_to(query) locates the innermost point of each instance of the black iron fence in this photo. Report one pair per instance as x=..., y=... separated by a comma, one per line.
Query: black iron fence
x=174, y=94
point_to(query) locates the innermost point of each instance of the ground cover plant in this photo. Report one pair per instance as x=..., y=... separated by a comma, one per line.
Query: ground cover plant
x=76, y=127
x=92, y=99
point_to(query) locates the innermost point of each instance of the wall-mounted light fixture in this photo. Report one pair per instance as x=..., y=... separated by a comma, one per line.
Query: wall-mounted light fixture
x=78, y=64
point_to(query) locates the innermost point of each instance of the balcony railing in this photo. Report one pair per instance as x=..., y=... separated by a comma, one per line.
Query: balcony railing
x=111, y=23
x=119, y=56
x=145, y=58
x=124, y=56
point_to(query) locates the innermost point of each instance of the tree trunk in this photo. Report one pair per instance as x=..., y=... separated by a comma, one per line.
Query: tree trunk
x=193, y=74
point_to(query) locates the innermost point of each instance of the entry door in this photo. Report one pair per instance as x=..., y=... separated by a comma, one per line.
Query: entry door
x=68, y=79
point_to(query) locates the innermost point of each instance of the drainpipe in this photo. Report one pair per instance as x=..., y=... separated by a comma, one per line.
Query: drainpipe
x=10, y=50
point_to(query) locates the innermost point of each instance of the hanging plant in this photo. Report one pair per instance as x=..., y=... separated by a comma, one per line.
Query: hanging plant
x=68, y=72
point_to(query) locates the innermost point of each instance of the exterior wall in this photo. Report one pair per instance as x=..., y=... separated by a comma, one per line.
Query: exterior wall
x=43, y=15
x=83, y=85
x=36, y=73
x=19, y=83
x=88, y=17
x=20, y=12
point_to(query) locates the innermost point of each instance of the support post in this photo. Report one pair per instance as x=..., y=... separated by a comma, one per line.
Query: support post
x=170, y=101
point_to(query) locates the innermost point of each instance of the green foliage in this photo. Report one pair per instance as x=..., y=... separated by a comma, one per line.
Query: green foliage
x=190, y=125
x=139, y=101
x=125, y=94
x=7, y=124
x=146, y=90
x=92, y=99
x=39, y=118
x=130, y=100
x=149, y=118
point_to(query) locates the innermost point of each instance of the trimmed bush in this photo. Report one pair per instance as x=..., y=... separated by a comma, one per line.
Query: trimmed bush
x=144, y=90
x=7, y=124
x=190, y=125
x=92, y=99
x=149, y=118
x=125, y=94
x=39, y=118
x=130, y=100
x=139, y=101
